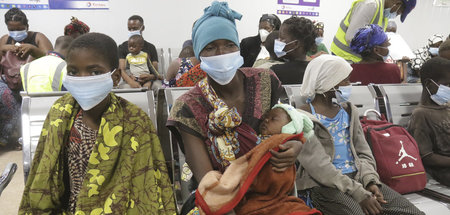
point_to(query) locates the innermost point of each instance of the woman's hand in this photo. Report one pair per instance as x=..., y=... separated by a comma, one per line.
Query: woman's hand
x=373, y=188
x=9, y=47
x=286, y=156
x=26, y=49
x=370, y=206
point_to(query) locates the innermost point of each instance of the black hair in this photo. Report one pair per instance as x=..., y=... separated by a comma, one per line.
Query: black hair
x=137, y=38
x=434, y=69
x=303, y=30
x=445, y=46
x=15, y=14
x=63, y=42
x=136, y=17
x=101, y=44
x=270, y=42
x=272, y=19
x=187, y=51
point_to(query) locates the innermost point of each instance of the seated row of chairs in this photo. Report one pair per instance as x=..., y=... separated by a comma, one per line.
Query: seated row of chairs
x=165, y=57
x=398, y=101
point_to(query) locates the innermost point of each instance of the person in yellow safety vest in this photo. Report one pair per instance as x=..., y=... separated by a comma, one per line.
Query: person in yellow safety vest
x=46, y=73
x=362, y=13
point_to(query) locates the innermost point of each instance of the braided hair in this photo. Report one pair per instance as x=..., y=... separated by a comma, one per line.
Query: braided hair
x=16, y=15
x=303, y=30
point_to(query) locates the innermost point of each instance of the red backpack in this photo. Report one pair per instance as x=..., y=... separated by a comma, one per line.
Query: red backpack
x=396, y=153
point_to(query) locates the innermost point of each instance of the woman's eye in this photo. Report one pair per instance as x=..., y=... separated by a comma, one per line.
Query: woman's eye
x=209, y=48
x=71, y=73
x=230, y=45
x=96, y=73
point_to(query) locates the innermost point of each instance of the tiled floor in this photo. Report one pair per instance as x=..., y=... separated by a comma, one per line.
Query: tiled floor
x=11, y=196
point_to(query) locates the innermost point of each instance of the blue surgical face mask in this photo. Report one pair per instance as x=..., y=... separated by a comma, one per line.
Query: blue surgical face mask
x=222, y=68
x=279, y=47
x=89, y=91
x=132, y=33
x=388, y=14
x=386, y=57
x=319, y=40
x=434, y=51
x=343, y=93
x=18, y=35
x=442, y=96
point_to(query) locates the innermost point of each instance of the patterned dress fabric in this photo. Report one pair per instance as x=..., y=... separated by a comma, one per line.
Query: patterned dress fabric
x=10, y=125
x=185, y=66
x=81, y=142
x=338, y=127
x=192, y=77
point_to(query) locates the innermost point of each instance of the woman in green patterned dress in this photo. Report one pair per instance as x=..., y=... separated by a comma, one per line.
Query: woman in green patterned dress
x=98, y=153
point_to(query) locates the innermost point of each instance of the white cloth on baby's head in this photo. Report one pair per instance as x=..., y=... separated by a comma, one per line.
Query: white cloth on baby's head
x=322, y=74
x=299, y=122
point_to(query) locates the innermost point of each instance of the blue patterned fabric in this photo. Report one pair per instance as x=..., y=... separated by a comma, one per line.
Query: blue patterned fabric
x=339, y=128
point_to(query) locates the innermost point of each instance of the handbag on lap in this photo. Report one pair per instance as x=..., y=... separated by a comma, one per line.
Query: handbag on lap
x=10, y=69
x=396, y=153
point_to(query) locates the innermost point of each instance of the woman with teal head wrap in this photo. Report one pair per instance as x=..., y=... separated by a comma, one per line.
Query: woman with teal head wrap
x=372, y=43
x=218, y=120
x=218, y=22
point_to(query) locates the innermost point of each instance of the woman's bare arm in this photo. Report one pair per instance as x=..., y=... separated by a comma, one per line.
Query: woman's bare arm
x=172, y=70
x=196, y=155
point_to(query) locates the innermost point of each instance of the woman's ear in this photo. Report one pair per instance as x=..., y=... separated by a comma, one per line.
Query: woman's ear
x=116, y=77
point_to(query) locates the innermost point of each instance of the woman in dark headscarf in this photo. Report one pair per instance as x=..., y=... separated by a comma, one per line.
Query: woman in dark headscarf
x=372, y=44
x=252, y=48
x=217, y=121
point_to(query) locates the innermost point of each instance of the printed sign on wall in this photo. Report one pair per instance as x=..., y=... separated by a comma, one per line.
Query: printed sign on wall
x=55, y=4
x=441, y=3
x=298, y=7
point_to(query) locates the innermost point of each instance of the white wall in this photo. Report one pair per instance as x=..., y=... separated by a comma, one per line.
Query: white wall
x=168, y=22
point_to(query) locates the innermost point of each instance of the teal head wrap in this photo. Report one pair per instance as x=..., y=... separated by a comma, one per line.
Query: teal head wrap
x=218, y=22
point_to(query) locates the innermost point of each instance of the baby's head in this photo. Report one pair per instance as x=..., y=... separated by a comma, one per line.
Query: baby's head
x=284, y=118
x=273, y=121
x=135, y=44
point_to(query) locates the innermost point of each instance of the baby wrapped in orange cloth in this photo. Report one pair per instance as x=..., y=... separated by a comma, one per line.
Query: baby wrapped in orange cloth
x=250, y=185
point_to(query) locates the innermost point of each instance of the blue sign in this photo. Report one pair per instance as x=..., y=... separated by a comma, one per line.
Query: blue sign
x=55, y=4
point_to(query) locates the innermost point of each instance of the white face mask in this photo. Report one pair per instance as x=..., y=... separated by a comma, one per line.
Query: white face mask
x=319, y=40
x=89, y=91
x=442, y=96
x=386, y=57
x=132, y=33
x=263, y=33
x=343, y=93
x=279, y=47
x=389, y=15
x=222, y=68
x=434, y=51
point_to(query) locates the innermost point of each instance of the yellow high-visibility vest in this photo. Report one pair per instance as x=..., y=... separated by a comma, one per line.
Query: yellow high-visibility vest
x=43, y=75
x=340, y=47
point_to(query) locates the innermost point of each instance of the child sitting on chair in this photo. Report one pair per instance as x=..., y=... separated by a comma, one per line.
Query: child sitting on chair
x=430, y=121
x=139, y=66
